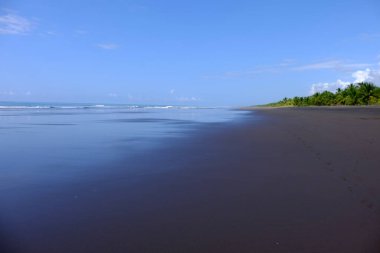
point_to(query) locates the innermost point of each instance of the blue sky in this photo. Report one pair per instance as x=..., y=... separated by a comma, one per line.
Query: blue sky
x=184, y=52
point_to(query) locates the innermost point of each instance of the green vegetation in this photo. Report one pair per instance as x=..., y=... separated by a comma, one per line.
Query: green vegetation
x=354, y=94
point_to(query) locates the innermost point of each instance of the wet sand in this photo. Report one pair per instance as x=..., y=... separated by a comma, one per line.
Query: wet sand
x=281, y=180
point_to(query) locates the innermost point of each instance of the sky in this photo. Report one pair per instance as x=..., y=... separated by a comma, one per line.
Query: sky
x=220, y=53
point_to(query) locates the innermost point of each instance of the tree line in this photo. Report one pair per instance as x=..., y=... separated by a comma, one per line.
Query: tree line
x=364, y=93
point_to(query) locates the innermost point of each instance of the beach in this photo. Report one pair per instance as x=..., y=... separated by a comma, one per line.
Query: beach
x=274, y=180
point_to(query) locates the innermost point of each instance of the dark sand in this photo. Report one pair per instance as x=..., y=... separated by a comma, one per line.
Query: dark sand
x=296, y=180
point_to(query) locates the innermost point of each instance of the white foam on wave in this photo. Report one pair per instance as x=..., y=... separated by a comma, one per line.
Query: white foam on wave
x=24, y=107
x=95, y=106
x=158, y=107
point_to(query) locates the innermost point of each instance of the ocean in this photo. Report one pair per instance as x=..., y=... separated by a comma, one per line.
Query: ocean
x=49, y=142
x=48, y=150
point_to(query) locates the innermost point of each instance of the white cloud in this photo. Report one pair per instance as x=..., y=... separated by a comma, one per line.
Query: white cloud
x=15, y=25
x=362, y=76
x=249, y=73
x=319, y=65
x=367, y=75
x=187, y=99
x=320, y=87
x=288, y=65
x=332, y=64
x=7, y=93
x=113, y=95
x=172, y=91
x=51, y=33
x=108, y=46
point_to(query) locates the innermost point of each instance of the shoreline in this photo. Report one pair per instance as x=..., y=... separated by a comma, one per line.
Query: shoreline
x=289, y=180
x=258, y=107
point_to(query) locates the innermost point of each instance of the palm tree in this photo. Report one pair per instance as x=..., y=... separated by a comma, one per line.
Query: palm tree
x=339, y=97
x=350, y=97
x=353, y=94
x=366, y=91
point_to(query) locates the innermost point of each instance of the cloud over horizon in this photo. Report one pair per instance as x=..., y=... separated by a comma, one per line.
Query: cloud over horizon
x=7, y=93
x=367, y=75
x=112, y=94
x=187, y=99
x=320, y=87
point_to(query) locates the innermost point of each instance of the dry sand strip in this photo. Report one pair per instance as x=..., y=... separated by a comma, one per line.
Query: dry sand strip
x=283, y=180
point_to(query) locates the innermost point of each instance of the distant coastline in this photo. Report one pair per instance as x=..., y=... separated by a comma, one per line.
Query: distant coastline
x=360, y=94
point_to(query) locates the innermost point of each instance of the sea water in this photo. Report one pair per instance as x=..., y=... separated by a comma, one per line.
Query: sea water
x=54, y=142
x=54, y=155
